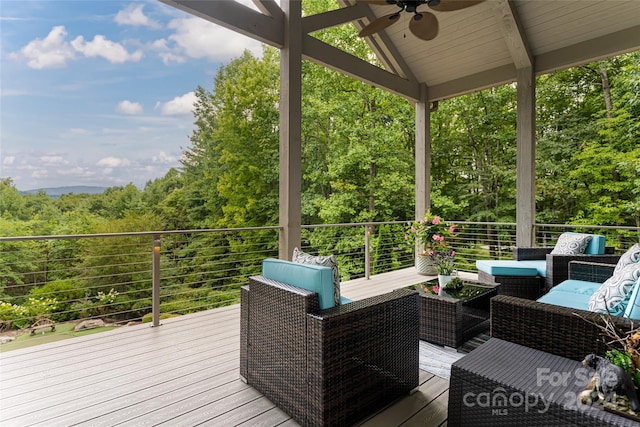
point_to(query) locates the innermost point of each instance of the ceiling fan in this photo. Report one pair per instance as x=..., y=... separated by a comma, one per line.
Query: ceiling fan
x=423, y=25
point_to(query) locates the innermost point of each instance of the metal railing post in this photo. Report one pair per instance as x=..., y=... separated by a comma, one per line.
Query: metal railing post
x=367, y=251
x=155, y=293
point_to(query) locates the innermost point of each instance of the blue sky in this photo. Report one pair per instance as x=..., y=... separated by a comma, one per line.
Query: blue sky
x=100, y=92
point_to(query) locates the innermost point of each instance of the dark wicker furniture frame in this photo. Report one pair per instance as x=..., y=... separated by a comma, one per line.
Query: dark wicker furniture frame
x=506, y=384
x=563, y=331
x=450, y=322
x=558, y=265
x=518, y=286
x=328, y=367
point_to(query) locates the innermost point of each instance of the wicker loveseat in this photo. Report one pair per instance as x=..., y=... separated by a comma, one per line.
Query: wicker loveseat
x=329, y=366
x=564, y=331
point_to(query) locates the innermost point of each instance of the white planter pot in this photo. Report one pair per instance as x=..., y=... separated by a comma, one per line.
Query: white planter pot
x=443, y=280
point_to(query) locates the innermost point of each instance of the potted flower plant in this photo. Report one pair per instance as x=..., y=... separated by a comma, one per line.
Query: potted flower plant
x=429, y=235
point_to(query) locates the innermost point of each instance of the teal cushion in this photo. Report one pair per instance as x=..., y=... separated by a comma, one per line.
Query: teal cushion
x=633, y=306
x=540, y=265
x=313, y=278
x=506, y=268
x=596, y=245
x=344, y=300
x=566, y=299
x=577, y=287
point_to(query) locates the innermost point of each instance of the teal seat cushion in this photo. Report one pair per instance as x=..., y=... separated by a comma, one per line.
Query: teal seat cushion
x=313, y=278
x=507, y=268
x=566, y=299
x=577, y=287
x=540, y=265
x=344, y=300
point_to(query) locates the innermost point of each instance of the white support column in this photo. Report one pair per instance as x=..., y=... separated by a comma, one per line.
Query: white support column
x=423, y=154
x=526, y=160
x=290, y=129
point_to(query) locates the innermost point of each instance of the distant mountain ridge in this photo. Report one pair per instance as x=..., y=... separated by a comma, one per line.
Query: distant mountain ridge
x=56, y=192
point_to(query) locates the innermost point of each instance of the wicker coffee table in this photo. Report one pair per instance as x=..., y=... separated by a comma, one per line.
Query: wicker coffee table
x=449, y=321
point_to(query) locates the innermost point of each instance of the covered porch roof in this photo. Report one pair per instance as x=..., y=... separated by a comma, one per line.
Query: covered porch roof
x=489, y=44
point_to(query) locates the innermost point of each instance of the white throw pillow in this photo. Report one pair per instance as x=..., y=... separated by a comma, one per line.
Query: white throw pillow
x=571, y=244
x=326, y=261
x=632, y=256
x=614, y=293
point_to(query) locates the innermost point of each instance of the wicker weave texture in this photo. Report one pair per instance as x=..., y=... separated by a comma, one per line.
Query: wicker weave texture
x=517, y=286
x=506, y=384
x=563, y=331
x=329, y=367
x=450, y=322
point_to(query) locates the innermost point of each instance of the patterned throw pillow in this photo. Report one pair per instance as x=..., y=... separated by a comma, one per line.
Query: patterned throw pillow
x=326, y=261
x=571, y=244
x=632, y=256
x=614, y=293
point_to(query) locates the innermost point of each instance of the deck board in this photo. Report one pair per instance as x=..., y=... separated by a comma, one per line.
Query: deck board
x=185, y=372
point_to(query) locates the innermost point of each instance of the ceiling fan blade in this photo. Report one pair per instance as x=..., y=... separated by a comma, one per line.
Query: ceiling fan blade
x=451, y=5
x=425, y=28
x=379, y=24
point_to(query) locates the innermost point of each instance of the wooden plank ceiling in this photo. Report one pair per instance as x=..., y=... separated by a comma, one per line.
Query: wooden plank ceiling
x=477, y=47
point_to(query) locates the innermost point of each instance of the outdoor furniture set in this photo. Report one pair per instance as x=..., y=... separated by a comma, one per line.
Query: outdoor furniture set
x=536, y=348
x=328, y=361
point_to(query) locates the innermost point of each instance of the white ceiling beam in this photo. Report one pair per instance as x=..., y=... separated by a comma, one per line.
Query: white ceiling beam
x=237, y=17
x=327, y=55
x=333, y=18
x=514, y=36
x=268, y=7
x=473, y=83
x=588, y=51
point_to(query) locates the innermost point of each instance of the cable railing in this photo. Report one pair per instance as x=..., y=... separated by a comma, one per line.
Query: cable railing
x=144, y=276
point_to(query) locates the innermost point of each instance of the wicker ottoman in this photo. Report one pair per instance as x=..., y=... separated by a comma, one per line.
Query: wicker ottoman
x=506, y=384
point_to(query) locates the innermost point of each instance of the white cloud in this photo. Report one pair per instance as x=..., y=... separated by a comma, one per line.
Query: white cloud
x=51, y=52
x=163, y=158
x=128, y=107
x=133, y=15
x=113, y=162
x=77, y=171
x=8, y=160
x=101, y=47
x=40, y=173
x=178, y=105
x=53, y=160
x=198, y=38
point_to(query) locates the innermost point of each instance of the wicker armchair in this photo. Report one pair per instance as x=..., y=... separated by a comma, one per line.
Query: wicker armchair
x=554, y=329
x=558, y=265
x=333, y=366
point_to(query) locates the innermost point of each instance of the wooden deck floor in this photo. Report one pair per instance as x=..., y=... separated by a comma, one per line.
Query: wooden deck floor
x=184, y=373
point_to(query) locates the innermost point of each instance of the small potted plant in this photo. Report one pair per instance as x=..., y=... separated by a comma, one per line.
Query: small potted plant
x=429, y=235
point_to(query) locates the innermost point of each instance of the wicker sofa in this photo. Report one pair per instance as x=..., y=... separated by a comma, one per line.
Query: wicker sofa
x=564, y=331
x=329, y=366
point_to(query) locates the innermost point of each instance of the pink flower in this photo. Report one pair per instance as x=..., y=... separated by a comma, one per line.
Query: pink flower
x=453, y=253
x=452, y=229
x=435, y=220
x=435, y=288
x=413, y=229
x=406, y=236
x=438, y=238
